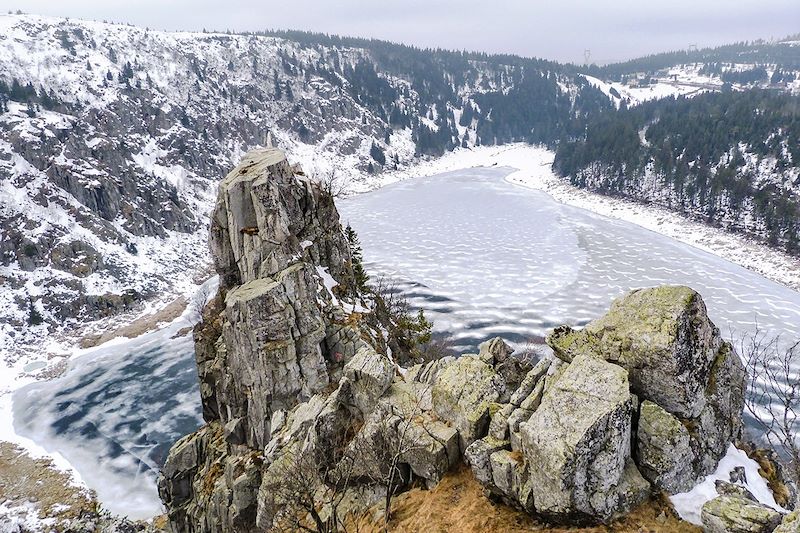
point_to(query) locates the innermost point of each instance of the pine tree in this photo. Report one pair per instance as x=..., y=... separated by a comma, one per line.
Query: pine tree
x=377, y=154
x=34, y=316
x=278, y=88
x=360, y=277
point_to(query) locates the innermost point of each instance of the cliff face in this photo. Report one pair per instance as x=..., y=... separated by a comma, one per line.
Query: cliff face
x=307, y=421
x=266, y=342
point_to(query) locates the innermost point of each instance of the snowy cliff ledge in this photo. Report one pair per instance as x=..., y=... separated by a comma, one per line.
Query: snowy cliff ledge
x=309, y=422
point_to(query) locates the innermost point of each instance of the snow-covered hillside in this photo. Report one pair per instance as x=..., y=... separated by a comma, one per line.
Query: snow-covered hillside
x=692, y=79
x=113, y=137
x=106, y=181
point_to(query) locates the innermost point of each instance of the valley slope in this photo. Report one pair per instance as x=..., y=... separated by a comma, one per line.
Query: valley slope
x=113, y=139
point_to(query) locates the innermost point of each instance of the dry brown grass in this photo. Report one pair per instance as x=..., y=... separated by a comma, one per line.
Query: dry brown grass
x=458, y=504
x=23, y=479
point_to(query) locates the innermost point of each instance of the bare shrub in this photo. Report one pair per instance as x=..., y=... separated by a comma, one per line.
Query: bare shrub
x=306, y=491
x=332, y=182
x=199, y=299
x=532, y=351
x=397, y=433
x=774, y=393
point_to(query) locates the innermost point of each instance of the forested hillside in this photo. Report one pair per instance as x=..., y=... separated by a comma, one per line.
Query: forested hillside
x=784, y=53
x=728, y=158
x=463, y=98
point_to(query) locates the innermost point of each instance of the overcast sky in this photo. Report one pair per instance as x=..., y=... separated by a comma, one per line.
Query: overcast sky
x=553, y=29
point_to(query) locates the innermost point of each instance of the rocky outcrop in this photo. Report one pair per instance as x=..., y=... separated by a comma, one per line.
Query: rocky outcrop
x=261, y=348
x=295, y=390
x=738, y=514
x=677, y=361
x=652, y=376
x=578, y=444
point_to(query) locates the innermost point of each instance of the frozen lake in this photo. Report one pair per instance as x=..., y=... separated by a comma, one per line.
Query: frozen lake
x=115, y=414
x=484, y=257
x=481, y=256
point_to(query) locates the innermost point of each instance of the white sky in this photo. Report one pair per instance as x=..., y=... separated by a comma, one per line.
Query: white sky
x=554, y=29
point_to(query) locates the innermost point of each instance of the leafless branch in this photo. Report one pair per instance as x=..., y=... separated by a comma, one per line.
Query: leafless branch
x=774, y=393
x=332, y=182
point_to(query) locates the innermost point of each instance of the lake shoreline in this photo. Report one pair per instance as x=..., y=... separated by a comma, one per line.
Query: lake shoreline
x=532, y=166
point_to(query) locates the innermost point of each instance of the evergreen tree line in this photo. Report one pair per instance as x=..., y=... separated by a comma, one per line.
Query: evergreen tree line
x=755, y=52
x=694, y=146
x=28, y=94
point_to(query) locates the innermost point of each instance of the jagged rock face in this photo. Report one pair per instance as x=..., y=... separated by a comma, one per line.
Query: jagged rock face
x=578, y=444
x=261, y=348
x=270, y=227
x=677, y=360
x=562, y=445
x=267, y=217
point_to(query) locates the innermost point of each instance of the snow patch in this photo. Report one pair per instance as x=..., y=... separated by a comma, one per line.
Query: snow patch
x=690, y=504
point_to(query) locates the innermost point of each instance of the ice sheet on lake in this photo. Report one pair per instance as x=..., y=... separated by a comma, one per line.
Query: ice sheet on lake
x=115, y=414
x=487, y=257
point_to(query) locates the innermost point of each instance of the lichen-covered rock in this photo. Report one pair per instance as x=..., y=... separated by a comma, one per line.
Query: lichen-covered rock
x=676, y=359
x=736, y=514
x=432, y=450
x=478, y=455
x=530, y=381
x=462, y=395
x=662, y=336
x=725, y=488
x=579, y=441
x=663, y=450
x=370, y=374
x=790, y=523
x=203, y=486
